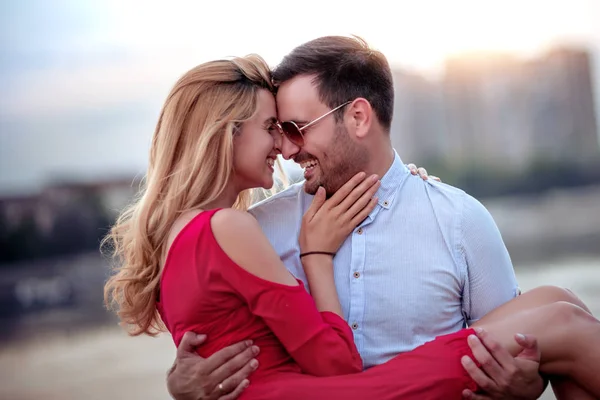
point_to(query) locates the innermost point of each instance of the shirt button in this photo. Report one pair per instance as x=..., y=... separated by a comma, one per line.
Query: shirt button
x=357, y=275
x=359, y=231
x=386, y=203
x=355, y=326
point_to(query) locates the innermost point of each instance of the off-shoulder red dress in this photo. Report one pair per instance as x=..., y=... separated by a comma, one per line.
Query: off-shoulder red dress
x=304, y=353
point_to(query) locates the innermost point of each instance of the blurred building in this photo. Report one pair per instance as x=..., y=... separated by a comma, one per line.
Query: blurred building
x=486, y=112
x=419, y=127
x=499, y=111
x=63, y=218
x=563, y=121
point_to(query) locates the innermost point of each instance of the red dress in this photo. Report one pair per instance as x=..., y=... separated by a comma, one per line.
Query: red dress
x=304, y=353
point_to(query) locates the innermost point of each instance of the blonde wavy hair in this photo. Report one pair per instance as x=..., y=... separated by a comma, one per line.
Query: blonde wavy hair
x=191, y=163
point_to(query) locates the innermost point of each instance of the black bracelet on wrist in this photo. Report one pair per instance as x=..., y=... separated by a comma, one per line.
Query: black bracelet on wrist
x=308, y=253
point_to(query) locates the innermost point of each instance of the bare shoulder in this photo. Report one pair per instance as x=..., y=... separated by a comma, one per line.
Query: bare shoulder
x=241, y=238
x=234, y=228
x=231, y=222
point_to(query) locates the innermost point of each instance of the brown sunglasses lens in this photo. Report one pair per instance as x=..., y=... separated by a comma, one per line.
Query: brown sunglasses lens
x=291, y=131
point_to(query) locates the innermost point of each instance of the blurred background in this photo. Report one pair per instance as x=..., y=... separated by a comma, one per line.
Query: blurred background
x=497, y=98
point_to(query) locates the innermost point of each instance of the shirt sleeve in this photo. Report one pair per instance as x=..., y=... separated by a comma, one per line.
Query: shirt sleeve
x=490, y=277
x=320, y=342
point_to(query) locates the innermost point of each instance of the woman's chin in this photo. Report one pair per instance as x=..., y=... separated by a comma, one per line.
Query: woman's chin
x=268, y=184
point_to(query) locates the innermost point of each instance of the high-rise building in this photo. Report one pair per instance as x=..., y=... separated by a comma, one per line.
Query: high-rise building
x=561, y=105
x=499, y=111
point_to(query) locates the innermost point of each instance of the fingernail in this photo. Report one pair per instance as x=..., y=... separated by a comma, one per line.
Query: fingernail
x=248, y=343
x=201, y=337
x=521, y=336
x=374, y=177
x=465, y=360
x=472, y=338
x=479, y=330
x=245, y=383
x=254, y=364
x=255, y=349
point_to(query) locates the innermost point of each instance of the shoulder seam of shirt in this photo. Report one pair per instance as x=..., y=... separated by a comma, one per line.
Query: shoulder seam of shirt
x=461, y=259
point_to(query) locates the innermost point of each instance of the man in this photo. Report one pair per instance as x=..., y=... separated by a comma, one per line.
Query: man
x=427, y=261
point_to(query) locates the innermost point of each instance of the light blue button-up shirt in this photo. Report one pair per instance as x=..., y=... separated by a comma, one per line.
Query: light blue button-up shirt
x=428, y=260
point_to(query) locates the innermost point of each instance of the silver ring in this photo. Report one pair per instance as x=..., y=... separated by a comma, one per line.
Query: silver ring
x=221, y=388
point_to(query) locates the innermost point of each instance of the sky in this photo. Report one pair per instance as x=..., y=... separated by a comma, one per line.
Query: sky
x=82, y=81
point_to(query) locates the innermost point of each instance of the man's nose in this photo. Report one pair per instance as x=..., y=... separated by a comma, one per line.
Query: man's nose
x=288, y=149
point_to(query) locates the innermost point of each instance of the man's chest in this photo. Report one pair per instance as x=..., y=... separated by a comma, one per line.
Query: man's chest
x=387, y=270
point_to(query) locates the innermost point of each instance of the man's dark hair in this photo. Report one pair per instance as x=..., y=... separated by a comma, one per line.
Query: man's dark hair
x=344, y=68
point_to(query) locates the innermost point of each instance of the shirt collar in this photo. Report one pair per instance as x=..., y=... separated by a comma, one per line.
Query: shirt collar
x=391, y=182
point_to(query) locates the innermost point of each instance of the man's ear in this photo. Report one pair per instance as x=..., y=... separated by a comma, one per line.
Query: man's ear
x=361, y=114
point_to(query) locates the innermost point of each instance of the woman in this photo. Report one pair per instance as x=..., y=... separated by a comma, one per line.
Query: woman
x=193, y=259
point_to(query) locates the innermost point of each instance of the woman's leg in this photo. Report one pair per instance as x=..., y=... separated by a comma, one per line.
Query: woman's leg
x=568, y=335
x=534, y=298
x=564, y=387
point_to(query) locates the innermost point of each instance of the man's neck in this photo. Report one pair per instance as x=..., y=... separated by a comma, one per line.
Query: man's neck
x=382, y=157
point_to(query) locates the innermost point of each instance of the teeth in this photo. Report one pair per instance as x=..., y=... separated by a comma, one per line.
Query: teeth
x=308, y=164
x=270, y=162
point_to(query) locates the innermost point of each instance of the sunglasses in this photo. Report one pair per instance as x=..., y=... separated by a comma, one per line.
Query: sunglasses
x=294, y=133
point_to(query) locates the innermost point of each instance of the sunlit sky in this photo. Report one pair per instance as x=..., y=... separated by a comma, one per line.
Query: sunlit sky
x=419, y=33
x=136, y=45
x=72, y=60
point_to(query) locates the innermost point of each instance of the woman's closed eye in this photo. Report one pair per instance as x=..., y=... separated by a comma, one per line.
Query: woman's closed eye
x=272, y=128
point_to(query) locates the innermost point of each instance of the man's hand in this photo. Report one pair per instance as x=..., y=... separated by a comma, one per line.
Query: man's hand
x=221, y=376
x=501, y=375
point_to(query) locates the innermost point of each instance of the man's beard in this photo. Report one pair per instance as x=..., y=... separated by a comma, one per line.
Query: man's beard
x=343, y=159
